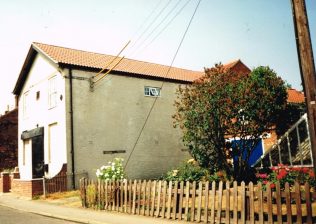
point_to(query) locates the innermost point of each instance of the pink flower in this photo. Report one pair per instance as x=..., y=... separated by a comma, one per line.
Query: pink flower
x=262, y=175
x=274, y=168
x=265, y=182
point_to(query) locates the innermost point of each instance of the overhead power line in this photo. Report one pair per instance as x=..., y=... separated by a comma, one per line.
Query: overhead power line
x=166, y=26
x=151, y=23
x=169, y=68
x=159, y=24
x=146, y=19
x=93, y=81
x=105, y=67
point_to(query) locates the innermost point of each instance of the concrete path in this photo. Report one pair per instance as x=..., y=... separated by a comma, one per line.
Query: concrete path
x=79, y=215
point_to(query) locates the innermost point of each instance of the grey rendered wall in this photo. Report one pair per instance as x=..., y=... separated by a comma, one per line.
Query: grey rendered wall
x=111, y=117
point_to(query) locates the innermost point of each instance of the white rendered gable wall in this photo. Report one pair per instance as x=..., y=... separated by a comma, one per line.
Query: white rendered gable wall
x=40, y=115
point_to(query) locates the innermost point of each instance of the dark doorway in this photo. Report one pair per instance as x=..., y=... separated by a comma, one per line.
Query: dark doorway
x=37, y=137
x=38, y=156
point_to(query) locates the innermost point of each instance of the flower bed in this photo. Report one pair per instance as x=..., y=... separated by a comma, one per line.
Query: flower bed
x=283, y=174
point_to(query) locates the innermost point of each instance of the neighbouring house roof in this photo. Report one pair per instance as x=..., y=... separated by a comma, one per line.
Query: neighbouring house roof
x=237, y=66
x=67, y=57
x=295, y=96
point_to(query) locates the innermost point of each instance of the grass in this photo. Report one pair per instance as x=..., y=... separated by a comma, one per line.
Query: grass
x=62, y=195
x=68, y=198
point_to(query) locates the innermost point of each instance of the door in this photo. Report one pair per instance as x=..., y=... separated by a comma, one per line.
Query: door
x=256, y=153
x=38, y=156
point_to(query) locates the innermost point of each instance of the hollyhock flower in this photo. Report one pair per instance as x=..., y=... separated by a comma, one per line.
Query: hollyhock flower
x=262, y=175
x=305, y=170
x=282, y=174
x=295, y=169
x=265, y=182
x=311, y=174
x=274, y=168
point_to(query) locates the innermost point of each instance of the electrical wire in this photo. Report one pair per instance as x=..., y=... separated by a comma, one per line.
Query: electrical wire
x=165, y=27
x=147, y=19
x=169, y=68
x=159, y=24
x=152, y=22
x=105, y=67
x=117, y=56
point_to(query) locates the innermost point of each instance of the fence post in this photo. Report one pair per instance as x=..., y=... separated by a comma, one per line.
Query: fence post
x=83, y=192
x=44, y=187
x=298, y=202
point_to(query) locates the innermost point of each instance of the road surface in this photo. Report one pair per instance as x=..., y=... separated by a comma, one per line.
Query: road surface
x=12, y=216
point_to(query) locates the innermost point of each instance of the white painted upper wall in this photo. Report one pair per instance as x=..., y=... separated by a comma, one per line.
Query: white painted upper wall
x=35, y=112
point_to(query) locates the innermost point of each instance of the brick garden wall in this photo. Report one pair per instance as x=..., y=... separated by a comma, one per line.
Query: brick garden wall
x=27, y=188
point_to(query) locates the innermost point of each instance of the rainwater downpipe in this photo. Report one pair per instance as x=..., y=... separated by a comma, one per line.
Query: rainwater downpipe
x=72, y=151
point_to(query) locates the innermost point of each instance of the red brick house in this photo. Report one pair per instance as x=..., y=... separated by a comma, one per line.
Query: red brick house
x=295, y=97
x=8, y=146
x=9, y=140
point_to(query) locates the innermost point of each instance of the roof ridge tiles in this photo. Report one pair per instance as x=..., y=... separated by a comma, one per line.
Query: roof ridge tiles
x=129, y=60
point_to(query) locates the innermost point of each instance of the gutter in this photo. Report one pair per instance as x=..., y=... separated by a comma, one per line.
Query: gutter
x=72, y=151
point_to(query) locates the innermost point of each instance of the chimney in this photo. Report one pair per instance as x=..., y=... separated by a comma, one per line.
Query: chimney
x=8, y=109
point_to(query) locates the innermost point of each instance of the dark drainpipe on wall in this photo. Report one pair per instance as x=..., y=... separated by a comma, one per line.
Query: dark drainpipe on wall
x=72, y=151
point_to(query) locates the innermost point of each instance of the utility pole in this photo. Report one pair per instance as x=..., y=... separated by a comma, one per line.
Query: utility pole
x=307, y=67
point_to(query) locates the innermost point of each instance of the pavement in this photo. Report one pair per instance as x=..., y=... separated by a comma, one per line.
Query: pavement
x=75, y=214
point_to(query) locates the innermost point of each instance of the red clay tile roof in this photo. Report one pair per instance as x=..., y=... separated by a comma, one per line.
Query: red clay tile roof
x=237, y=66
x=230, y=64
x=69, y=56
x=295, y=96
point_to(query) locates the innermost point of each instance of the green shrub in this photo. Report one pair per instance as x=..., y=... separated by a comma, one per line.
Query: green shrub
x=191, y=171
x=91, y=194
x=219, y=176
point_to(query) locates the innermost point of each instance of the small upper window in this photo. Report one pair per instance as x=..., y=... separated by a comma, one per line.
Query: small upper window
x=37, y=95
x=26, y=106
x=52, y=92
x=152, y=91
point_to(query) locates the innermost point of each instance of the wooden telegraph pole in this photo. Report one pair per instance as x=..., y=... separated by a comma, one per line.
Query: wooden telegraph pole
x=307, y=67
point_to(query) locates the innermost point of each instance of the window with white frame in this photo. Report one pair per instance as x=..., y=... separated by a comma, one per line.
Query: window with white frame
x=152, y=91
x=26, y=106
x=52, y=92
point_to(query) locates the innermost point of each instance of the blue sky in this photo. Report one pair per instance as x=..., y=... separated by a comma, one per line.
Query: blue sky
x=257, y=32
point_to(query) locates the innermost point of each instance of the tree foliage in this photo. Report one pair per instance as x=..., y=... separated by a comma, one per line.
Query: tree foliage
x=293, y=112
x=225, y=105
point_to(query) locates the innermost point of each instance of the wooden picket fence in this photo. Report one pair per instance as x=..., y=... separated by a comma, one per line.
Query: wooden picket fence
x=222, y=202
